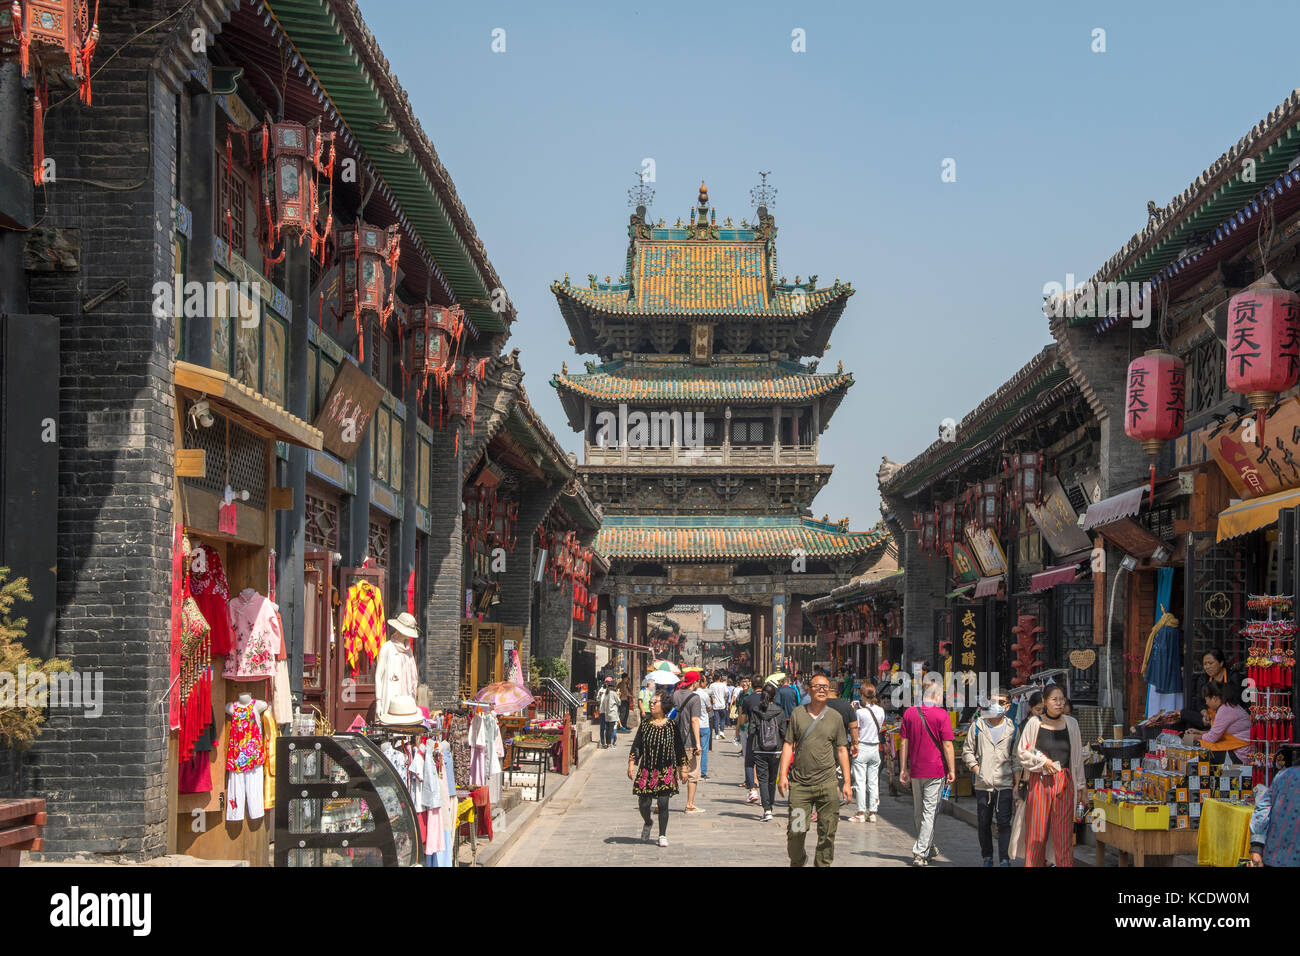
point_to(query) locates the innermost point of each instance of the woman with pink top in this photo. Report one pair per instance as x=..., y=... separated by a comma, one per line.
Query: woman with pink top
x=1231, y=724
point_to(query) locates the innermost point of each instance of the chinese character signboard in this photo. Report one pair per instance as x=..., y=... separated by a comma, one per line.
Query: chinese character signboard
x=1260, y=465
x=963, y=564
x=347, y=410
x=968, y=654
x=1058, y=522
x=987, y=550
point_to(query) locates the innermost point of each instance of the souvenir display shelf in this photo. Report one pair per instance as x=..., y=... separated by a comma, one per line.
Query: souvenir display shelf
x=1271, y=672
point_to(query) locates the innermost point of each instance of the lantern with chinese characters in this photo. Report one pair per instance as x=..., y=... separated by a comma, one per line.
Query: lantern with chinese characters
x=47, y=35
x=1153, y=402
x=1026, y=471
x=363, y=251
x=986, y=504
x=1263, y=342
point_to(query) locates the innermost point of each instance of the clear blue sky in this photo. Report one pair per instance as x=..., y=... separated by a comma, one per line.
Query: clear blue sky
x=1057, y=151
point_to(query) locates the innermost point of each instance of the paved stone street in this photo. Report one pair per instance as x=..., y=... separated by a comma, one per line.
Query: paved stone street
x=595, y=822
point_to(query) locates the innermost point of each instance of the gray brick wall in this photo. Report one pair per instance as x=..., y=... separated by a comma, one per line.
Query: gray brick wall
x=923, y=588
x=445, y=606
x=105, y=778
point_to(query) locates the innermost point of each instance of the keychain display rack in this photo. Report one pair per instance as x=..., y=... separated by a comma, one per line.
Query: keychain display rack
x=1270, y=669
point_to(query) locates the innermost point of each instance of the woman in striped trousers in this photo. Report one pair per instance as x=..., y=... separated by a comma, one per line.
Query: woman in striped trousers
x=1051, y=750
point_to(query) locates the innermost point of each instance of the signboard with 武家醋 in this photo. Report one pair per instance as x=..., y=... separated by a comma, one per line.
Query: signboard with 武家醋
x=1260, y=458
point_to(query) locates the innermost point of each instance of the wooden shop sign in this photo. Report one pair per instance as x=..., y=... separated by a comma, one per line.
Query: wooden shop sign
x=1260, y=464
x=347, y=411
x=1058, y=521
x=987, y=549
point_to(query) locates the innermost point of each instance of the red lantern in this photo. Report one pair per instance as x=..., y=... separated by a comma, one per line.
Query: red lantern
x=42, y=33
x=947, y=524
x=1263, y=342
x=927, y=525
x=1153, y=404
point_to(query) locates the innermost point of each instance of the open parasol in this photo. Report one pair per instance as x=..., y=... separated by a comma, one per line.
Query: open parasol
x=775, y=678
x=664, y=677
x=666, y=666
x=506, y=697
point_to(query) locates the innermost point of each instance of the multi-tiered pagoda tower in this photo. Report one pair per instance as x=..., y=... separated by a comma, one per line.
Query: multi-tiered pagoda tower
x=702, y=426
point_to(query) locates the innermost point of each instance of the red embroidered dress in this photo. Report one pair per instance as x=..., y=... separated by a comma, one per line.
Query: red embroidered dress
x=657, y=749
x=211, y=592
x=246, y=751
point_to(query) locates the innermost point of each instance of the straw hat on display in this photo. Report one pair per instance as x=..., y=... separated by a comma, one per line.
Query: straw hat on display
x=402, y=711
x=404, y=624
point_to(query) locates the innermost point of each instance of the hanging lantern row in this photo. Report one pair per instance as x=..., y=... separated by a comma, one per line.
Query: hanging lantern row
x=435, y=333
x=490, y=521
x=363, y=250
x=568, y=559
x=43, y=35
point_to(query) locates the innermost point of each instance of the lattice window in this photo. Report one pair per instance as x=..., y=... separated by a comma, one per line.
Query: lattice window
x=1206, y=377
x=231, y=193
x=244, y=469
x=322, y=523
x=377, y=543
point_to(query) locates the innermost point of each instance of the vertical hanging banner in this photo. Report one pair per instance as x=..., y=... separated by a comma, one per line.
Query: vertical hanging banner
x=620, y=631
x=970, y=639
x=778, y=630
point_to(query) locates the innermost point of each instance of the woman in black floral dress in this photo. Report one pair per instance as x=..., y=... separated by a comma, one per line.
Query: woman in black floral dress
x=654, y=765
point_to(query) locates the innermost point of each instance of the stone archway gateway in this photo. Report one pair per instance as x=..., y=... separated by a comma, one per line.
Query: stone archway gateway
x=701, y=427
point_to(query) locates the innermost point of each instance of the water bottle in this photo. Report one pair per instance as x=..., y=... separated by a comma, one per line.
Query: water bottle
x=947, y=791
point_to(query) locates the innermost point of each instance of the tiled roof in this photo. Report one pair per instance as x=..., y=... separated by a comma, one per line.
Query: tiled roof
x=1043, y=381
x=856, y=591
x=708, y=537
x=703, y=287
x=783, y=381
x=1214, y=205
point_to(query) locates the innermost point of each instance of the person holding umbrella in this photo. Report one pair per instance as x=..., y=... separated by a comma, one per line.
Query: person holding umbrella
x=655, y=764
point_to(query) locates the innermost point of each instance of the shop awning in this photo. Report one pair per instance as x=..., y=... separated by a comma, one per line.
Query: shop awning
x=262, y=414
x=959, y=592
x=987, y=587
x=1060, y=574
x=1124, y=505
x=1247, y=516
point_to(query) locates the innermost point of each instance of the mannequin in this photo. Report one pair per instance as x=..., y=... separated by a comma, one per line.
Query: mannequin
x=395, y=670
x=245, y=759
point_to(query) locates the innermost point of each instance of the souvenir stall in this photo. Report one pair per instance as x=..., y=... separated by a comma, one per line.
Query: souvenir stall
x=228, y=691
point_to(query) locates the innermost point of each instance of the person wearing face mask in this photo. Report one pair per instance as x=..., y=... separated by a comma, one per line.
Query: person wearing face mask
x=989, y=754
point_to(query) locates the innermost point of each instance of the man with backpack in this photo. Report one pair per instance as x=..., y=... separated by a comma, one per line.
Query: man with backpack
x=926, y=750
x=765, y=723
x=816, y=742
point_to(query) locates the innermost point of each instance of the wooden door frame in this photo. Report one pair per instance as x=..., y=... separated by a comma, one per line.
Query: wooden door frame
x=346, y=711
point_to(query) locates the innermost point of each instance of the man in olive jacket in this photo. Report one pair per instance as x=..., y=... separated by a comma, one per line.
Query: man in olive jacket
x=990, y=755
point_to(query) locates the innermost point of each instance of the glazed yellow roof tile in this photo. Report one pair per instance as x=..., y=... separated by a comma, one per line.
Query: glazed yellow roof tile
x=705, y=538
x=783, y=382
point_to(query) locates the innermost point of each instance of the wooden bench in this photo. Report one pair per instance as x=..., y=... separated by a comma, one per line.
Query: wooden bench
x=20, y=828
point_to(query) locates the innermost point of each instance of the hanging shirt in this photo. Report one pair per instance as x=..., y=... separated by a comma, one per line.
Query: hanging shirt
x=257, y=637
x=363, y=623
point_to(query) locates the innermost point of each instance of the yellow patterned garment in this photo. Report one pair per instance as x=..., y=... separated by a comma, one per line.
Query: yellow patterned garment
x=363, y=623
x=1224, y=836
x=269, y=732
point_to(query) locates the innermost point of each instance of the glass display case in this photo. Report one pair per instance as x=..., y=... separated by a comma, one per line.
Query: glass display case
x=339, y=802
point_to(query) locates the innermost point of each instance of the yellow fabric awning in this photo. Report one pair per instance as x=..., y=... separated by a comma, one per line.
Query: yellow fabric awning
x=1247, y=516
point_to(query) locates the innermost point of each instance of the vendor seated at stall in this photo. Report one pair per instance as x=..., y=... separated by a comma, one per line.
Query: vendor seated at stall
x=1214, y=667
x=1230, y=729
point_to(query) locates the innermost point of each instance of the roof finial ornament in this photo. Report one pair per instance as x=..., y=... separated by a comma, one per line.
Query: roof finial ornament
x=763, y=195
x=704, y=194
x=564, y=368
x=641, y=195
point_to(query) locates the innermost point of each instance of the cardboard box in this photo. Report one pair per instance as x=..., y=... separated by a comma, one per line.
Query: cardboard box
x=1193, y=782
x=1182, y=822
x=1203, y=767
x=1181, y=795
